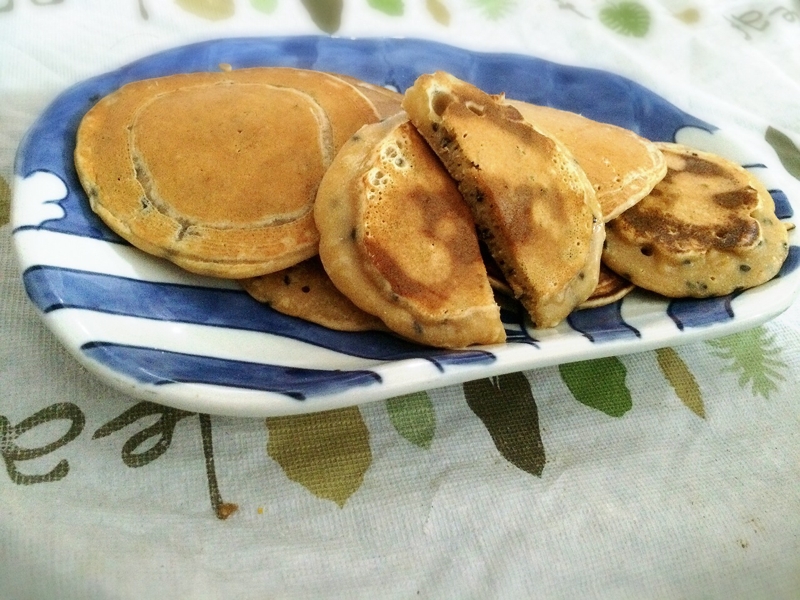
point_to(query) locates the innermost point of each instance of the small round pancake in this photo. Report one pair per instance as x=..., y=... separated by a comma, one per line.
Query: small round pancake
x=306, y=291
x=622, y=166
x=493, y=271
x=217, y=172
x=385, y=101
x=707, y=229
x=397, y=239
x=610, y=288
x=532, y=203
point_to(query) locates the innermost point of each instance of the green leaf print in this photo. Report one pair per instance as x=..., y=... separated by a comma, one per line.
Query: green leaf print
x=506, y=406
x=494, y=9
x=682, y=380
x=5, y=201
x=390, y=7
x=787, y=151
x=213, y=10
x=327, y=453
x=413, y=417
x=626, y=18
x=265, y=6
x=438, y=11
x=755, y=356
x=599, y=384
x=326, y=14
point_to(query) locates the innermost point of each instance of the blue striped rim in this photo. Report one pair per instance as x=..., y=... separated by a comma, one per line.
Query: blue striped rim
x=602, y=324
x=161, y=367
x=54, y=288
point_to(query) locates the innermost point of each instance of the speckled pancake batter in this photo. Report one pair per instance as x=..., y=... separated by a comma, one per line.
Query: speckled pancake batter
x=622, y=166
x=217, y=172
x=707, y=229
x=534, y=206
x=305, y=291
x=398, y=240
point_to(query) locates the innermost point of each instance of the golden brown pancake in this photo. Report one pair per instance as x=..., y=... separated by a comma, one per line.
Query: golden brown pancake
x=217, y=172
x=306, y=291
x=622, y=166
x=496, y=278
x=707, y=229
x=610, y=288
x=385, y=101
x=397, y=239
x=533, y=205
x=347, y=110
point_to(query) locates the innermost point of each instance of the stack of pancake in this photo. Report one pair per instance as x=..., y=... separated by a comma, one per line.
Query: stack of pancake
x=358, y=208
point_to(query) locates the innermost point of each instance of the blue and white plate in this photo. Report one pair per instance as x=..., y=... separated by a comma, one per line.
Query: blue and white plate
x=201, y=344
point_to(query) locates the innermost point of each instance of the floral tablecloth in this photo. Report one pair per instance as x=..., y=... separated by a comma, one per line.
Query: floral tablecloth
x=672, y=473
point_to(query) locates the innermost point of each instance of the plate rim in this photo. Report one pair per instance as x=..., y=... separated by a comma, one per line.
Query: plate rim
x=260, y=403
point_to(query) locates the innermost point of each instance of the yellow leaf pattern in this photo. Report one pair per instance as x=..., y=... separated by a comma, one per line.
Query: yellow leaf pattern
x=438, y=11
x=327, y=453
x=5, y=201
x=213, y=10
x=681, y=379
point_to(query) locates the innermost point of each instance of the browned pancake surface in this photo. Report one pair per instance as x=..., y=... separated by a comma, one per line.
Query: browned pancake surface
x=218, y=171
x=306, y=291
x=622, y=166
x=534, y=206
x=240, y=180
x=610, y=288
x=385, y=101
x=397, y=239
x=707, y=229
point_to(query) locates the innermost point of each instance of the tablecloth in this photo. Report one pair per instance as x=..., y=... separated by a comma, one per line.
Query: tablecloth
x=671, y=473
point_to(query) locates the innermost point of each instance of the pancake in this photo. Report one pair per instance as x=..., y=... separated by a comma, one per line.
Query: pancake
x=398, y=240
x=496, y=278
x=610, y=288
x=305, y=291
x=707, y=229
x=218, y=172
x=385, y=101
x=533, y=205
x=622, y=166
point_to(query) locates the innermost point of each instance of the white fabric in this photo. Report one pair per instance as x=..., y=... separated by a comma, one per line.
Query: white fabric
x=658, y=503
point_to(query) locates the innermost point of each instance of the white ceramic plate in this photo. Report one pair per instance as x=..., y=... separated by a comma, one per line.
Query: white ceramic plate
x=202, y=344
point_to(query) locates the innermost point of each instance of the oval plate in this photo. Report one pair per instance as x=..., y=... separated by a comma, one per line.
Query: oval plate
x=201, y=344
